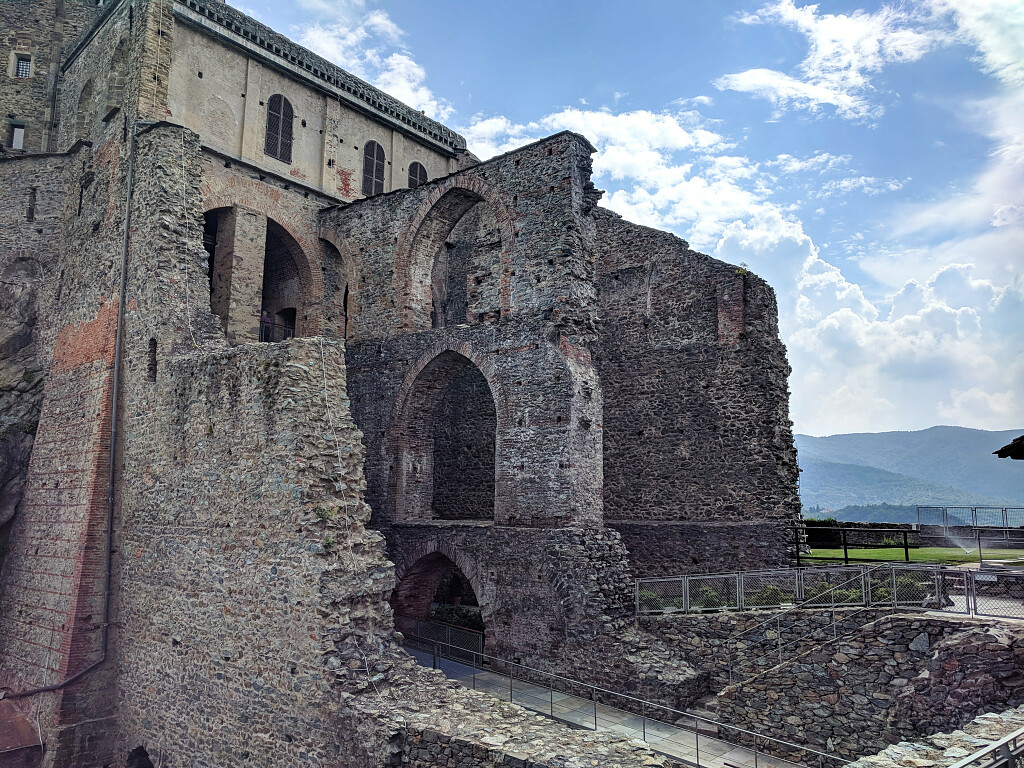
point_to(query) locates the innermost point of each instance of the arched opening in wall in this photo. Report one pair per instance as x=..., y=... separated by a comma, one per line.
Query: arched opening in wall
x=117, y=78
x=455, y=264
x=446, y=444
x=83, y=114
x=218, y=240
x=282, y=302
x=339, y=279
x=434, y=591
x=139, y=758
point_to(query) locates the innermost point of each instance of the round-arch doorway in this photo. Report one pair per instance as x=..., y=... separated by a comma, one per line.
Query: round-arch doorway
x=434, y=590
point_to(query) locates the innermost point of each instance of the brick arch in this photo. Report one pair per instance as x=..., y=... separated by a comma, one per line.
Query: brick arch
x=446, y=203
x=412, y=420
x=437, y=546
x=305, y=246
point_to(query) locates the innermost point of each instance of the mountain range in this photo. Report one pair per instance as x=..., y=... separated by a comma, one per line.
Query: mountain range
x=941, y=466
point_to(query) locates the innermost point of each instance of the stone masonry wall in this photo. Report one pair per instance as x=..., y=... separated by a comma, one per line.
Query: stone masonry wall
x=941, y=750
x=900, y=677
x=40, y=31
x=31, y=208
x=696, y=396
x=733, y=646
x=53, y=581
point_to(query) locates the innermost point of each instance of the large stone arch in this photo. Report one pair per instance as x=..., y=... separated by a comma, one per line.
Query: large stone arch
x=305, y=247
x=410, y=434
x=436, y=546
x=445, y=204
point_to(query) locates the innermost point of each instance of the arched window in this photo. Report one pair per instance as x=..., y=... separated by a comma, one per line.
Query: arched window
x=373, y=169
x=279, y=128
x=417, y=175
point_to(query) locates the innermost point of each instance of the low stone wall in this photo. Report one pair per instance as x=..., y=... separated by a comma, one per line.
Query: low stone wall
x=899, y=677
x=944, y=749
x=749, y=639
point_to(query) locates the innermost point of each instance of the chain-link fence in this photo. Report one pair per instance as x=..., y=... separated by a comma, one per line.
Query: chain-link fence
x=989, y=592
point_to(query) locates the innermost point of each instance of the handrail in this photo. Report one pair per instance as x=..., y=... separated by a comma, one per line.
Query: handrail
x=790, y=747
x=1002, y=746
x=436, y=621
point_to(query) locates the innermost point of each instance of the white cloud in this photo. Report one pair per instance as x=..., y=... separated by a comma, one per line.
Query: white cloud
x=844, y=52
x=369, y=45
x=820, y=162
x=867, y=185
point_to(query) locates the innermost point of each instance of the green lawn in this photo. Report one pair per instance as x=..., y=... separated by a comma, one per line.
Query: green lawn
x=949, y=555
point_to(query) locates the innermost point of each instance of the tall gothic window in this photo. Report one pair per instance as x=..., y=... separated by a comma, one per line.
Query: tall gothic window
x=417, y=175
x=373, y=169
x=279, y=128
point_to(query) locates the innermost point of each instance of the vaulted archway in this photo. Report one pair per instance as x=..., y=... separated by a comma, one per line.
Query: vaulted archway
x=444, y=280
x=445, y=442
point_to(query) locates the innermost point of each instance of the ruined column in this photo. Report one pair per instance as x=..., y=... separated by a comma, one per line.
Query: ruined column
x=249, y=245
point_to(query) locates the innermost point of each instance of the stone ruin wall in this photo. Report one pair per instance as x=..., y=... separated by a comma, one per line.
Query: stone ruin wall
x=281, y=603
x=696, y=404
x=901, y=677
x=204, y=621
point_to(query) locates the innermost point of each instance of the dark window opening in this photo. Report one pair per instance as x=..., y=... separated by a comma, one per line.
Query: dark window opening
x=23, y=68
x=139, y=758
x=151, y=364
x=373, y=169
x=417, y=175
x=279, y=128
x=30, y=214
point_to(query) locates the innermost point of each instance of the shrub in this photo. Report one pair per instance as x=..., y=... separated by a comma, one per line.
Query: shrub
x=706, y=599
x=649, y=601
x=769, y=594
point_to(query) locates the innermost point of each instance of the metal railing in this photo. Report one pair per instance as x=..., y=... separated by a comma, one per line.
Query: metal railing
x=1004, y=753
x=452, y=635
x=990, y=592
x=587, y=706
x=273, y=332
x=971, y=517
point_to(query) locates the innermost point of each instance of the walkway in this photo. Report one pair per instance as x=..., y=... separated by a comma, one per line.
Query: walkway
x=689, y=746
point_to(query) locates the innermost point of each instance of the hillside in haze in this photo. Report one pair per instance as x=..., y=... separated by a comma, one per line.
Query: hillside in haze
x=936, y=466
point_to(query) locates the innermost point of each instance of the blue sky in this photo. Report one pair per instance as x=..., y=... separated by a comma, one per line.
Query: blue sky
x=866, y=159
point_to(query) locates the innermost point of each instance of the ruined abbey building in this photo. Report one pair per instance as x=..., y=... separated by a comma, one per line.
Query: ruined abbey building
x=283, y=365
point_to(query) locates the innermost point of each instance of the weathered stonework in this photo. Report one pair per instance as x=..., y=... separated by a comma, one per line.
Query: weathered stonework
x=899, y=678
x=456, y=401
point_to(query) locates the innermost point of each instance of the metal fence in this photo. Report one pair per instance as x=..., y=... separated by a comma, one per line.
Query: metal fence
x=989, y=592
x=1005, y=753
x=666, y=730
x=464, y=641
x=971, y=517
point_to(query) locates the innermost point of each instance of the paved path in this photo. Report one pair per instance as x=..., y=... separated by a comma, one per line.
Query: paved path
x=696, y=749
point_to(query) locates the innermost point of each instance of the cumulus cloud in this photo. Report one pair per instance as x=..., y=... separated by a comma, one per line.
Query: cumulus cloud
x=844, y=52
x=370, y=45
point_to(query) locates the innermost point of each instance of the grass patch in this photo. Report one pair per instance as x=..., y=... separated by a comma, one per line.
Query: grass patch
x=946, y=555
